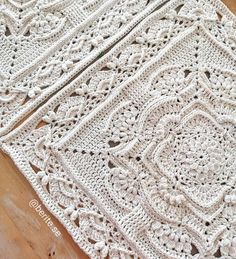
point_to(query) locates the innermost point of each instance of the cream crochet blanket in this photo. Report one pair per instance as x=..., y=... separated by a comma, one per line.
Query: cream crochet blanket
x=133, y=142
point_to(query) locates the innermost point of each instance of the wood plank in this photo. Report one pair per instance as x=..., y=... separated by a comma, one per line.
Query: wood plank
x=24, y=234
x=231, y=5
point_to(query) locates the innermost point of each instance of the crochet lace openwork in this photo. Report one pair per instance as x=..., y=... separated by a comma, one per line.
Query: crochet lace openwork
x=136, y=154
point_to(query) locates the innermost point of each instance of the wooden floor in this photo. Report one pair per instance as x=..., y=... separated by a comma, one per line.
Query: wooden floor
x=231, y=5
x=23, y=233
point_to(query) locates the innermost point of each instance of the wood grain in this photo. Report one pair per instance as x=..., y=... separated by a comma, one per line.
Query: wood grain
x=231, y=5
x=23, y=233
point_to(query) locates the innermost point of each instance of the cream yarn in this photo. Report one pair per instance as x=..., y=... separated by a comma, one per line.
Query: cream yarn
x=136, y=156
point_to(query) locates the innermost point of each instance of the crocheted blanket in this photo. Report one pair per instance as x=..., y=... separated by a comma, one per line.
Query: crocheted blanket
x=133, y=142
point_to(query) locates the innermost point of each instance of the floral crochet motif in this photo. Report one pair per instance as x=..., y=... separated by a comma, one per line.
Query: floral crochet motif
x=136, y=154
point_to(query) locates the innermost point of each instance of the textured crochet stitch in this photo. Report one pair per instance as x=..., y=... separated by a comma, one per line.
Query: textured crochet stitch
x=134, y=150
